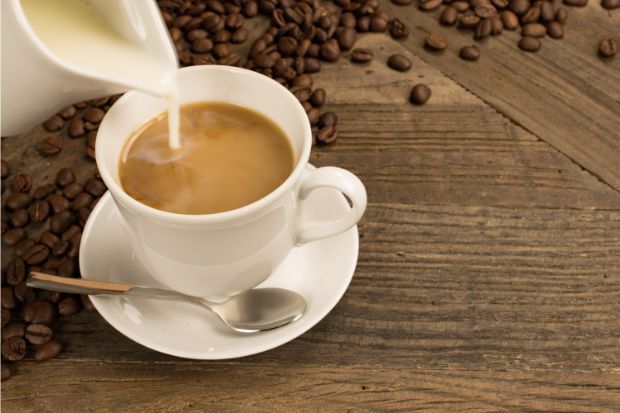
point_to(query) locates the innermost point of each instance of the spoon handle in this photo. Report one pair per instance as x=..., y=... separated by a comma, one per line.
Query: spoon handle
x=75, y=285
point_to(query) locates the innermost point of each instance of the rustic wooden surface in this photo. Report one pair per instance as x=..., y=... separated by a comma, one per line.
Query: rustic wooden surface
x=489, y=268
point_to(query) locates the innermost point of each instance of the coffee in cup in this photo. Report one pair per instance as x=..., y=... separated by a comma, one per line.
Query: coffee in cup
x=230, y=156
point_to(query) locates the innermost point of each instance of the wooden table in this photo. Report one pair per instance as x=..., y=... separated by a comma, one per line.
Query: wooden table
x=489, y=267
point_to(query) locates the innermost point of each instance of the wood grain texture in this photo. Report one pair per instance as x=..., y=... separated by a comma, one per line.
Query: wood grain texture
x=564, y=94
x=488, y=276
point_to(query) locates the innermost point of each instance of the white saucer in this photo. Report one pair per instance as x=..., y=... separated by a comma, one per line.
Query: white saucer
x=320, y=271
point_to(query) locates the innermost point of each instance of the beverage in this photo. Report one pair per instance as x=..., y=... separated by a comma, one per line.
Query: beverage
x=230, y=156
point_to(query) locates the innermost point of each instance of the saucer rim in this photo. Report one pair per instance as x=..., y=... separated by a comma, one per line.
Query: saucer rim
x=289, y=333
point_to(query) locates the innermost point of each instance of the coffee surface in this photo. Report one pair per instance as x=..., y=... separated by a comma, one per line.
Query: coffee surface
x=230, y=156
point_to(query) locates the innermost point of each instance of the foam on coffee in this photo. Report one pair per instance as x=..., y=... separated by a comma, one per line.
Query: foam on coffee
x=230, y=156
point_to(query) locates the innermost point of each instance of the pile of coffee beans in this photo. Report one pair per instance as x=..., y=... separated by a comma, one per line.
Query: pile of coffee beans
x=485, y=18
x=41, y=227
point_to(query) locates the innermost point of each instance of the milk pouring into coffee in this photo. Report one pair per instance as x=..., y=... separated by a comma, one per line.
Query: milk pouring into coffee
x=64, y=51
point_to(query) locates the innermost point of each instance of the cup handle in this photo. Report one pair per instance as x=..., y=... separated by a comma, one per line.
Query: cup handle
x=345, y=182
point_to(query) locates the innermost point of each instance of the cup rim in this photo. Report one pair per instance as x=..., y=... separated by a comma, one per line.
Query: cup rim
x=173, y=217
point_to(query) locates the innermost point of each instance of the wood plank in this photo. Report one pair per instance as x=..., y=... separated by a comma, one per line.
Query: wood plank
x=448, y=288
x=563, y=94
x=222, y=387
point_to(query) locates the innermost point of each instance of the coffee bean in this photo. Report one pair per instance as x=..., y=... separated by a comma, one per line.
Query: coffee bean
x=576, y=3
x=302, y=81
x=64, y=177
x=519, y=7
x=8, y=298
x=76, y=128
x=348, y=20
x=317, y=98
x=13, y=329
x=14, y=348
x=87, y=303
x=83, y=200
x=23, y=293
x=483, y=29
x=18, y=200
x=239, y=35
x=287, y=45
x=222, y=36
x=330, y=51
x=470, y=53
x=399, y=63
x=19, y=218
x=70, y=232
x=47, y=351
x=398, y=29
x=402, y=2
x=61, y=221
x=301, y=93
x=468, y=22
x=36, y=254
x=7, y=372
x=312, y=65
x=13, y=236
x=39, y=312
x=313, y=116
x=378, y=24
x=485, y=10
x=435, y=42
x=15, y=271
x=250, y=8
x=264, y=61
x=561, y=15
x=38, y=333
x=5, y=169
x=427, y=5
x=22, y=246
x=60, y=248
x=534, y=30
x=53, y=124
x=95, y=187
x=531, y=15
x=72, y=190
x=66, y=267
x=43, y=191
x=21, y=183
x=235, y=21
x=39, y=211
x=328, y=119
x=510, y=20
x=610, y=4
x=191, y=36
x=529, y=44
x=363, y=24
x=51, y=145
x=448, y=16
x=202, y=45
x=347, y=38
x=48, y=239
x=461, y=6
x=546, y=11
x=420, y=94
x=69, y=306
x=607, y=47
x=58, y=203
x=93, y=115
x=555, y=30
x=498, y=26
x=360, y=55
x=6, y=318
x=327, y=135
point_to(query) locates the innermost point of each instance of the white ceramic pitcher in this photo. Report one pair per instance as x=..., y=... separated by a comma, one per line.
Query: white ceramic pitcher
x=37, y=82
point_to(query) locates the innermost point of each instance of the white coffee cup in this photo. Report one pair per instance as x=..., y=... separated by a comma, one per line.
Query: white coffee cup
x=221, y=254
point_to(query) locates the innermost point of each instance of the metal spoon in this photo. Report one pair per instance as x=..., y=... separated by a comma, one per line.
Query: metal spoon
x=248, y=312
